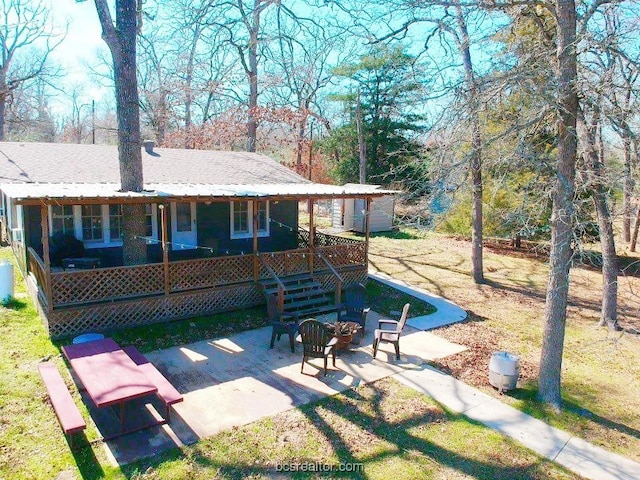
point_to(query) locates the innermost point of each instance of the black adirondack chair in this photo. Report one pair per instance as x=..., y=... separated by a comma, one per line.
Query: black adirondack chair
x=281, y=323
x=354, y=308
x=317, y=342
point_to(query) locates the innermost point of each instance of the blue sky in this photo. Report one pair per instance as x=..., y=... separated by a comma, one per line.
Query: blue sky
x=80, y=46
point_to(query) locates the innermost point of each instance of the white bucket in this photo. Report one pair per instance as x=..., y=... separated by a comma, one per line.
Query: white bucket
x=504, y=368
x=6, y=281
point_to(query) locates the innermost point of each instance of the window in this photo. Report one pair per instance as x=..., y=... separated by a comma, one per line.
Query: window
x=183, y=217
x=263, y=217
x=92, y=223
x=62, y=219
x=115, y=222
x=97, y=225
x=150, y=220
x=242, y=219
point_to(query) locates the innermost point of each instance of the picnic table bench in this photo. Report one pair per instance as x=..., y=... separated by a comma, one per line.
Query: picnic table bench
x=66, y=410
x=167, y=392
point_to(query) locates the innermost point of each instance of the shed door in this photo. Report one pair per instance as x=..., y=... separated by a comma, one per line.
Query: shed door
x=184, y=234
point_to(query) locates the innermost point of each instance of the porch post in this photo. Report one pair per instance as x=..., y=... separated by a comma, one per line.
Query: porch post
x=367, y=218
x=44, y=222
x=312, y=235
x=165, y=251
x=256, y=266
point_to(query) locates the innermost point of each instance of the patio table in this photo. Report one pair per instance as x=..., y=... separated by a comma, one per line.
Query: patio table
x=108, y=374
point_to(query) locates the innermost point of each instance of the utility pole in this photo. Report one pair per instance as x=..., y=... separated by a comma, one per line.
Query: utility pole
x=361, y=145
x=310, y=148
x=93, y=122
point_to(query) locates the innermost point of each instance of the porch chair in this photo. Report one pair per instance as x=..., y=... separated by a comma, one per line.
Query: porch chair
x=390, y=335
x=353, y=309
x=281, y=323
x=317, y=342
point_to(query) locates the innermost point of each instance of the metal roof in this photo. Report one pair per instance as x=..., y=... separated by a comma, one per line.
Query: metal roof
x=30, y=193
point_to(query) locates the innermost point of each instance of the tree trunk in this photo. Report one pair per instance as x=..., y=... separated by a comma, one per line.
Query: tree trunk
x=302, y=131
x=476, y=212
x=252, y=121
x=121, y=41
x=596, y=186
x=634, y=237
x=362, y=147
x=3, y=106
x=627, y=189
x=477, y=268
x=562, y=210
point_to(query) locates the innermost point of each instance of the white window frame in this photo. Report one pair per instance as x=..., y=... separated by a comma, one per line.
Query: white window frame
x=249, y=233
x=154, y=223
x=73, y=219
x=106, y=227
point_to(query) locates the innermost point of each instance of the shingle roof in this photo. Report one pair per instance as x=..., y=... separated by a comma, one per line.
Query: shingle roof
x=71, y=163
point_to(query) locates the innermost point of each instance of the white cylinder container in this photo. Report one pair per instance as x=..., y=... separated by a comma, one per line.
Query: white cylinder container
x=504, y=368
x=6, y=281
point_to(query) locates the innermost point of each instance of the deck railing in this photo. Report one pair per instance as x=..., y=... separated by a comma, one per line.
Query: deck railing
x=290, y=262
x=37, y=268
x=210, y=272
x=99, y=285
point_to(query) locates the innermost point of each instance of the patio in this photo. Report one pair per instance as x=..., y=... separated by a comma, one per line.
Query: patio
x=234, y=381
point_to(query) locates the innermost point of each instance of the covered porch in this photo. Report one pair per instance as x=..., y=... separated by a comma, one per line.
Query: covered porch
x=105, y=298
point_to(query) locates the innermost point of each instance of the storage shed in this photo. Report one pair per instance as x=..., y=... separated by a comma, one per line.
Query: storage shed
x=348, y=213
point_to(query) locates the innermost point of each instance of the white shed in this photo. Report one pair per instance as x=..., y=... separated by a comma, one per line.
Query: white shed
x=348, y=213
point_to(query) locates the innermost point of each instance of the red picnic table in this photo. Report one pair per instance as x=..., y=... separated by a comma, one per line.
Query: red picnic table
x=109, y=375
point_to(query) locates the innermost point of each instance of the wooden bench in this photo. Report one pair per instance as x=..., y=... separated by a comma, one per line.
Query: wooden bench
x=167, y=392
x=66, y=410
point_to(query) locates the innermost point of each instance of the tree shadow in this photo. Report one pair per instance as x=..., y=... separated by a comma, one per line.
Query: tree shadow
x=15, y=304
x=528, y=396
x=365, y=413
x=573, y=302
x=85, y=458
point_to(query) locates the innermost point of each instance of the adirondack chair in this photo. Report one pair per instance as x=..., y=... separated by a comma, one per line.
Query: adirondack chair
x=317, y=342
x=390, y=335
x=281, y=323
x=354, y=307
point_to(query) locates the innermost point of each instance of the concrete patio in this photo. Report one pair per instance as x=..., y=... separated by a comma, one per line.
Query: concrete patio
x=237, y=380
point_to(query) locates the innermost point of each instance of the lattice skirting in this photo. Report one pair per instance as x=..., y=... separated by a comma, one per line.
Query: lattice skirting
x=145, y=311
x=65, y=322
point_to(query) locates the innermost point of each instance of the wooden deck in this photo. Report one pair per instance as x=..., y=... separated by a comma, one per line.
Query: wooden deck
x=100, y=299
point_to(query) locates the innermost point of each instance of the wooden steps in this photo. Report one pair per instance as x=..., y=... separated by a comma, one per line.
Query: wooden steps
x=302, y=295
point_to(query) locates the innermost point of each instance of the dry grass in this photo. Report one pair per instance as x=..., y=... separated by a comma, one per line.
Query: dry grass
x=601, y=371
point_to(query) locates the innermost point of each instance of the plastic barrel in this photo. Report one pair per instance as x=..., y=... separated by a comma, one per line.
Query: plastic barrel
x=504, y=368
x=6, y=281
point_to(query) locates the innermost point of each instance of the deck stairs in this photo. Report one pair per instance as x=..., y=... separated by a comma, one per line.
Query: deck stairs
x=303, y=295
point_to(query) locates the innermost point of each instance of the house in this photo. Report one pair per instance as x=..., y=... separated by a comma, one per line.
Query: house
x=222, y=229
x=349, y=213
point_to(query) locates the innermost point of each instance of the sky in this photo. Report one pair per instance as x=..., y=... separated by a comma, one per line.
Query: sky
x=82, y=42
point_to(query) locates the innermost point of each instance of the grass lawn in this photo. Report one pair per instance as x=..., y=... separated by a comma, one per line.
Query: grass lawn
x=601, y=369
x=389, y=429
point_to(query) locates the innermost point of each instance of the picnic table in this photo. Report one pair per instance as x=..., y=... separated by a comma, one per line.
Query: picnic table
x=109, y=375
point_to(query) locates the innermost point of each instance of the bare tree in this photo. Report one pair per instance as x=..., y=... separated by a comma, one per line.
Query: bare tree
x=301, y=64
x=596, y=184
x=121, y=40
x=562, y=214
x=27, y=38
